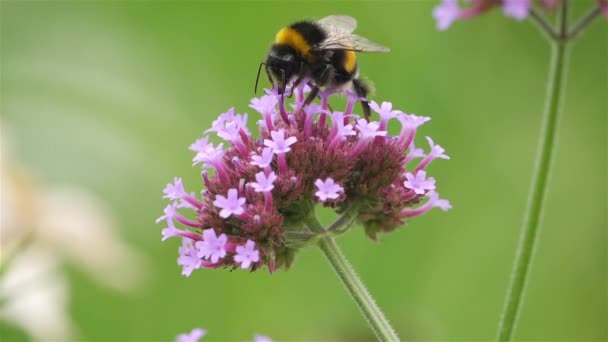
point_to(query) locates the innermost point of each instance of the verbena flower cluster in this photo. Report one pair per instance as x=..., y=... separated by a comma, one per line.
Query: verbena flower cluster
x=259, y=189
x=449, y=10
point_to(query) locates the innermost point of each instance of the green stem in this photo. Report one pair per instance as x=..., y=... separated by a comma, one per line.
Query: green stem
x=538, y=191
x=358, y=291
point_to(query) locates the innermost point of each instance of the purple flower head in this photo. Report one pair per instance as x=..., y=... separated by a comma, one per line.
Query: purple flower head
x=246, y=255
x=264, y=183
x=231, y=205
x=212, y=247
x=327, y=189
x=279, y=144
x=194, y=336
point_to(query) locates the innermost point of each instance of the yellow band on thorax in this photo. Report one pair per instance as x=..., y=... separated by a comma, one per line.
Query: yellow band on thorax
x=293, y=38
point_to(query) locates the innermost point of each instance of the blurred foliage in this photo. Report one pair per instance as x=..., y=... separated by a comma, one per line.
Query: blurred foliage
x=108, y=95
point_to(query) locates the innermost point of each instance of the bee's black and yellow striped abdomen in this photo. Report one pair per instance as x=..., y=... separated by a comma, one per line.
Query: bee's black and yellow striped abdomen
x=303, y=35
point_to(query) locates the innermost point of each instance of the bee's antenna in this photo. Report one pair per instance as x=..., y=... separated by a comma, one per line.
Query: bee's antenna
x=257, y=78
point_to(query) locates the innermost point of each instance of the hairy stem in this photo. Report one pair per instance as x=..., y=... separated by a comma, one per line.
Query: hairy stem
x=370, y=310
x=538, y=190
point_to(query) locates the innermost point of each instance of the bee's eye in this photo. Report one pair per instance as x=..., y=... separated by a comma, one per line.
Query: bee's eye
x=288, y=58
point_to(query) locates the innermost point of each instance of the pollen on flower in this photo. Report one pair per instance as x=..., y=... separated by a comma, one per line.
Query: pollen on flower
x=258, y=186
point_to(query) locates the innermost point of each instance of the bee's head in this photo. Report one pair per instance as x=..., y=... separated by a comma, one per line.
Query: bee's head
x=283, y=63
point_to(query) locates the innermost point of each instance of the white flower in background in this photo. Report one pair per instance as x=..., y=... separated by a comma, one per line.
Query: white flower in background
x=42, y=227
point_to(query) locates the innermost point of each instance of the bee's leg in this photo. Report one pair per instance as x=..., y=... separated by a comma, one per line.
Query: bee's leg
x=362, y=90
x=311, y=96
x=312, y=85
x=296, y=83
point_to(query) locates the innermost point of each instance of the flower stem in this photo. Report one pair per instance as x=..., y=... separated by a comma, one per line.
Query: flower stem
x=543, y=25
x=538, y=191
x=358, y=291
x=582, y=24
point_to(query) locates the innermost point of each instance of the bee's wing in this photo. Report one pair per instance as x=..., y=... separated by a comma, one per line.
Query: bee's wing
x=342, y=40
x=340, y=22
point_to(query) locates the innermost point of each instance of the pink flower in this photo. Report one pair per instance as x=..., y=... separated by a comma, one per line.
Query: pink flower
x=340, y=130
x=446, y=13
x=433, y=202
x=327, y=189
x=194, y=336
x=264, y=159
x=279, y=144
x=188, y=257
x=368, y=130
x=264, y=183
x=517, y=9
x=199, y=145
x=419, y=183
x=170, y=231
x=175, y=191
x=231, y=205
x=386, y=112
x=247, y=254
x=261, y=338
x=209, y=155
x=228, y=125
x=212, y=247
x=265, y=104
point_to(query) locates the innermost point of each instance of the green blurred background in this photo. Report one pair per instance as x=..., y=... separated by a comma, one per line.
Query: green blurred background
x=108, y=96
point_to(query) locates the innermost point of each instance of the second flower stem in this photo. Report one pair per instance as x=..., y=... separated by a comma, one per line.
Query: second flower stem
x=538, y=191
x=370, y=310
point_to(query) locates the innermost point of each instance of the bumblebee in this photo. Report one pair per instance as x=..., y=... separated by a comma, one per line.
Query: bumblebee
x=321, y=52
